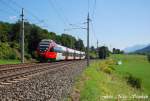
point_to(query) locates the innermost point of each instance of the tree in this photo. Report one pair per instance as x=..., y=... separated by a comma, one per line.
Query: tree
x=11, y=34
x=52, y=36
x=68, y=40
x=36, y=35
x=117, y=51
x=103, y=52
x=15, y=32
x=92, y=48
x=79, y=45
x=148, y=57
x=3, y=37
x=114, y=50
x=121, y=52
x=58, y=39
x=4, y=31
x=6, y=52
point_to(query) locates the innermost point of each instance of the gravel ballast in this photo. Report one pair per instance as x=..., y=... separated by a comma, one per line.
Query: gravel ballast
x=48, y=86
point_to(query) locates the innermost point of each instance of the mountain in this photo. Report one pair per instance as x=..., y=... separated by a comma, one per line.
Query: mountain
x=144, y=50
x=134, y=48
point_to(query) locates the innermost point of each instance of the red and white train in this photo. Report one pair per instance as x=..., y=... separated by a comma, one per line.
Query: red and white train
x=49, y=50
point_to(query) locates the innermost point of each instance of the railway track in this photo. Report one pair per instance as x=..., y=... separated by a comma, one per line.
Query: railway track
x=13, y=73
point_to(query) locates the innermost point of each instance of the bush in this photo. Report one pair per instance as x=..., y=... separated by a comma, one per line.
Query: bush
x=107, y=70
x=27, y=56
x=34, y=55
x=6, y=52
x=110, y=62
x=12, y=56
x=14, y=45
x=148, y=57
x=111, y=67
x=134, y=81
x=107, y=66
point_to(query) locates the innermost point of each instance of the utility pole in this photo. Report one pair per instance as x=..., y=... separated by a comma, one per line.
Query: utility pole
x=22, y=36
x=104, y=52
x=97, y=49
x=88, y=20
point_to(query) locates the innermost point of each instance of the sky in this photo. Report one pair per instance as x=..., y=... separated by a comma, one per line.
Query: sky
x=114, y=23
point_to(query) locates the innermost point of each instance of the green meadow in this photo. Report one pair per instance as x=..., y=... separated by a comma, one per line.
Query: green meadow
x=104, y=80
x=138, y=66
x=9, y=61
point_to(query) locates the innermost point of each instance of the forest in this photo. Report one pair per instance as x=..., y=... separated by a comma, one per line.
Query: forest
x=10, y=39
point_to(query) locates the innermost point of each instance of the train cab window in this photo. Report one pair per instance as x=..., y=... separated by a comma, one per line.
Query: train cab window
x=43, y=48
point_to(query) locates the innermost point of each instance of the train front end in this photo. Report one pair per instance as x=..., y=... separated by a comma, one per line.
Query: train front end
x=45, y=51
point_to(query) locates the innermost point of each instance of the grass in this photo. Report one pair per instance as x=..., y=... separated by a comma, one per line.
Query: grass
x=97, y=85
x=138, y=66
x=9, y=61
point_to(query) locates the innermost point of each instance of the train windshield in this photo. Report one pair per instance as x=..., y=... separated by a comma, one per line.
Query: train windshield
x=43, y=48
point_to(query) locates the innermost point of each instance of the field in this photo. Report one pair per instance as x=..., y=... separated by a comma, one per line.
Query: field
x=100, y=82
x=138, y=66
x=9, y=61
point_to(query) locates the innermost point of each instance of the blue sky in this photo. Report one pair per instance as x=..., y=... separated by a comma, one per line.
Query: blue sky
x=115, y=23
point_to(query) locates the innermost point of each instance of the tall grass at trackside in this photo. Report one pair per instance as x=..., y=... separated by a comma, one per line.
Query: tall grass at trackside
x=138, y=66
x=95, y=84
x=2, y=61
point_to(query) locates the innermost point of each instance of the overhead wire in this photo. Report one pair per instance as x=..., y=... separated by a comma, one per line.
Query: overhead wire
x=88, y=9
x=91, y=11
x=8, y=5
x=94, y=8
x=92, y=26
x=4, y=17
x=78, y=25
x=5, y=11
x=61, y=10
x=31, y=14
x=11, y=13
x=61, y=15
x=57, y=12
x=39, y=21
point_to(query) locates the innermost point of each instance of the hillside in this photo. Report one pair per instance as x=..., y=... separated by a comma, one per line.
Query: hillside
x=134, y=48
x=144, y=50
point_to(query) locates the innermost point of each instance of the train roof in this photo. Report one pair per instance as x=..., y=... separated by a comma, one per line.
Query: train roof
x=47, y=40
x=61, y=47
x=71, y=50
x=58, y=45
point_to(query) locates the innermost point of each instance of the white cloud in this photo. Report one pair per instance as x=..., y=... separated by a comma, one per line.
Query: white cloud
x=12, y=17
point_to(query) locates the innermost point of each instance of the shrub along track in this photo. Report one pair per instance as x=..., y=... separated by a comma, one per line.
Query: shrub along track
x=14, y=77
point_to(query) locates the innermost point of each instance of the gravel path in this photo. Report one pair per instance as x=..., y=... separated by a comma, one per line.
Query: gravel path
x=48, y=86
